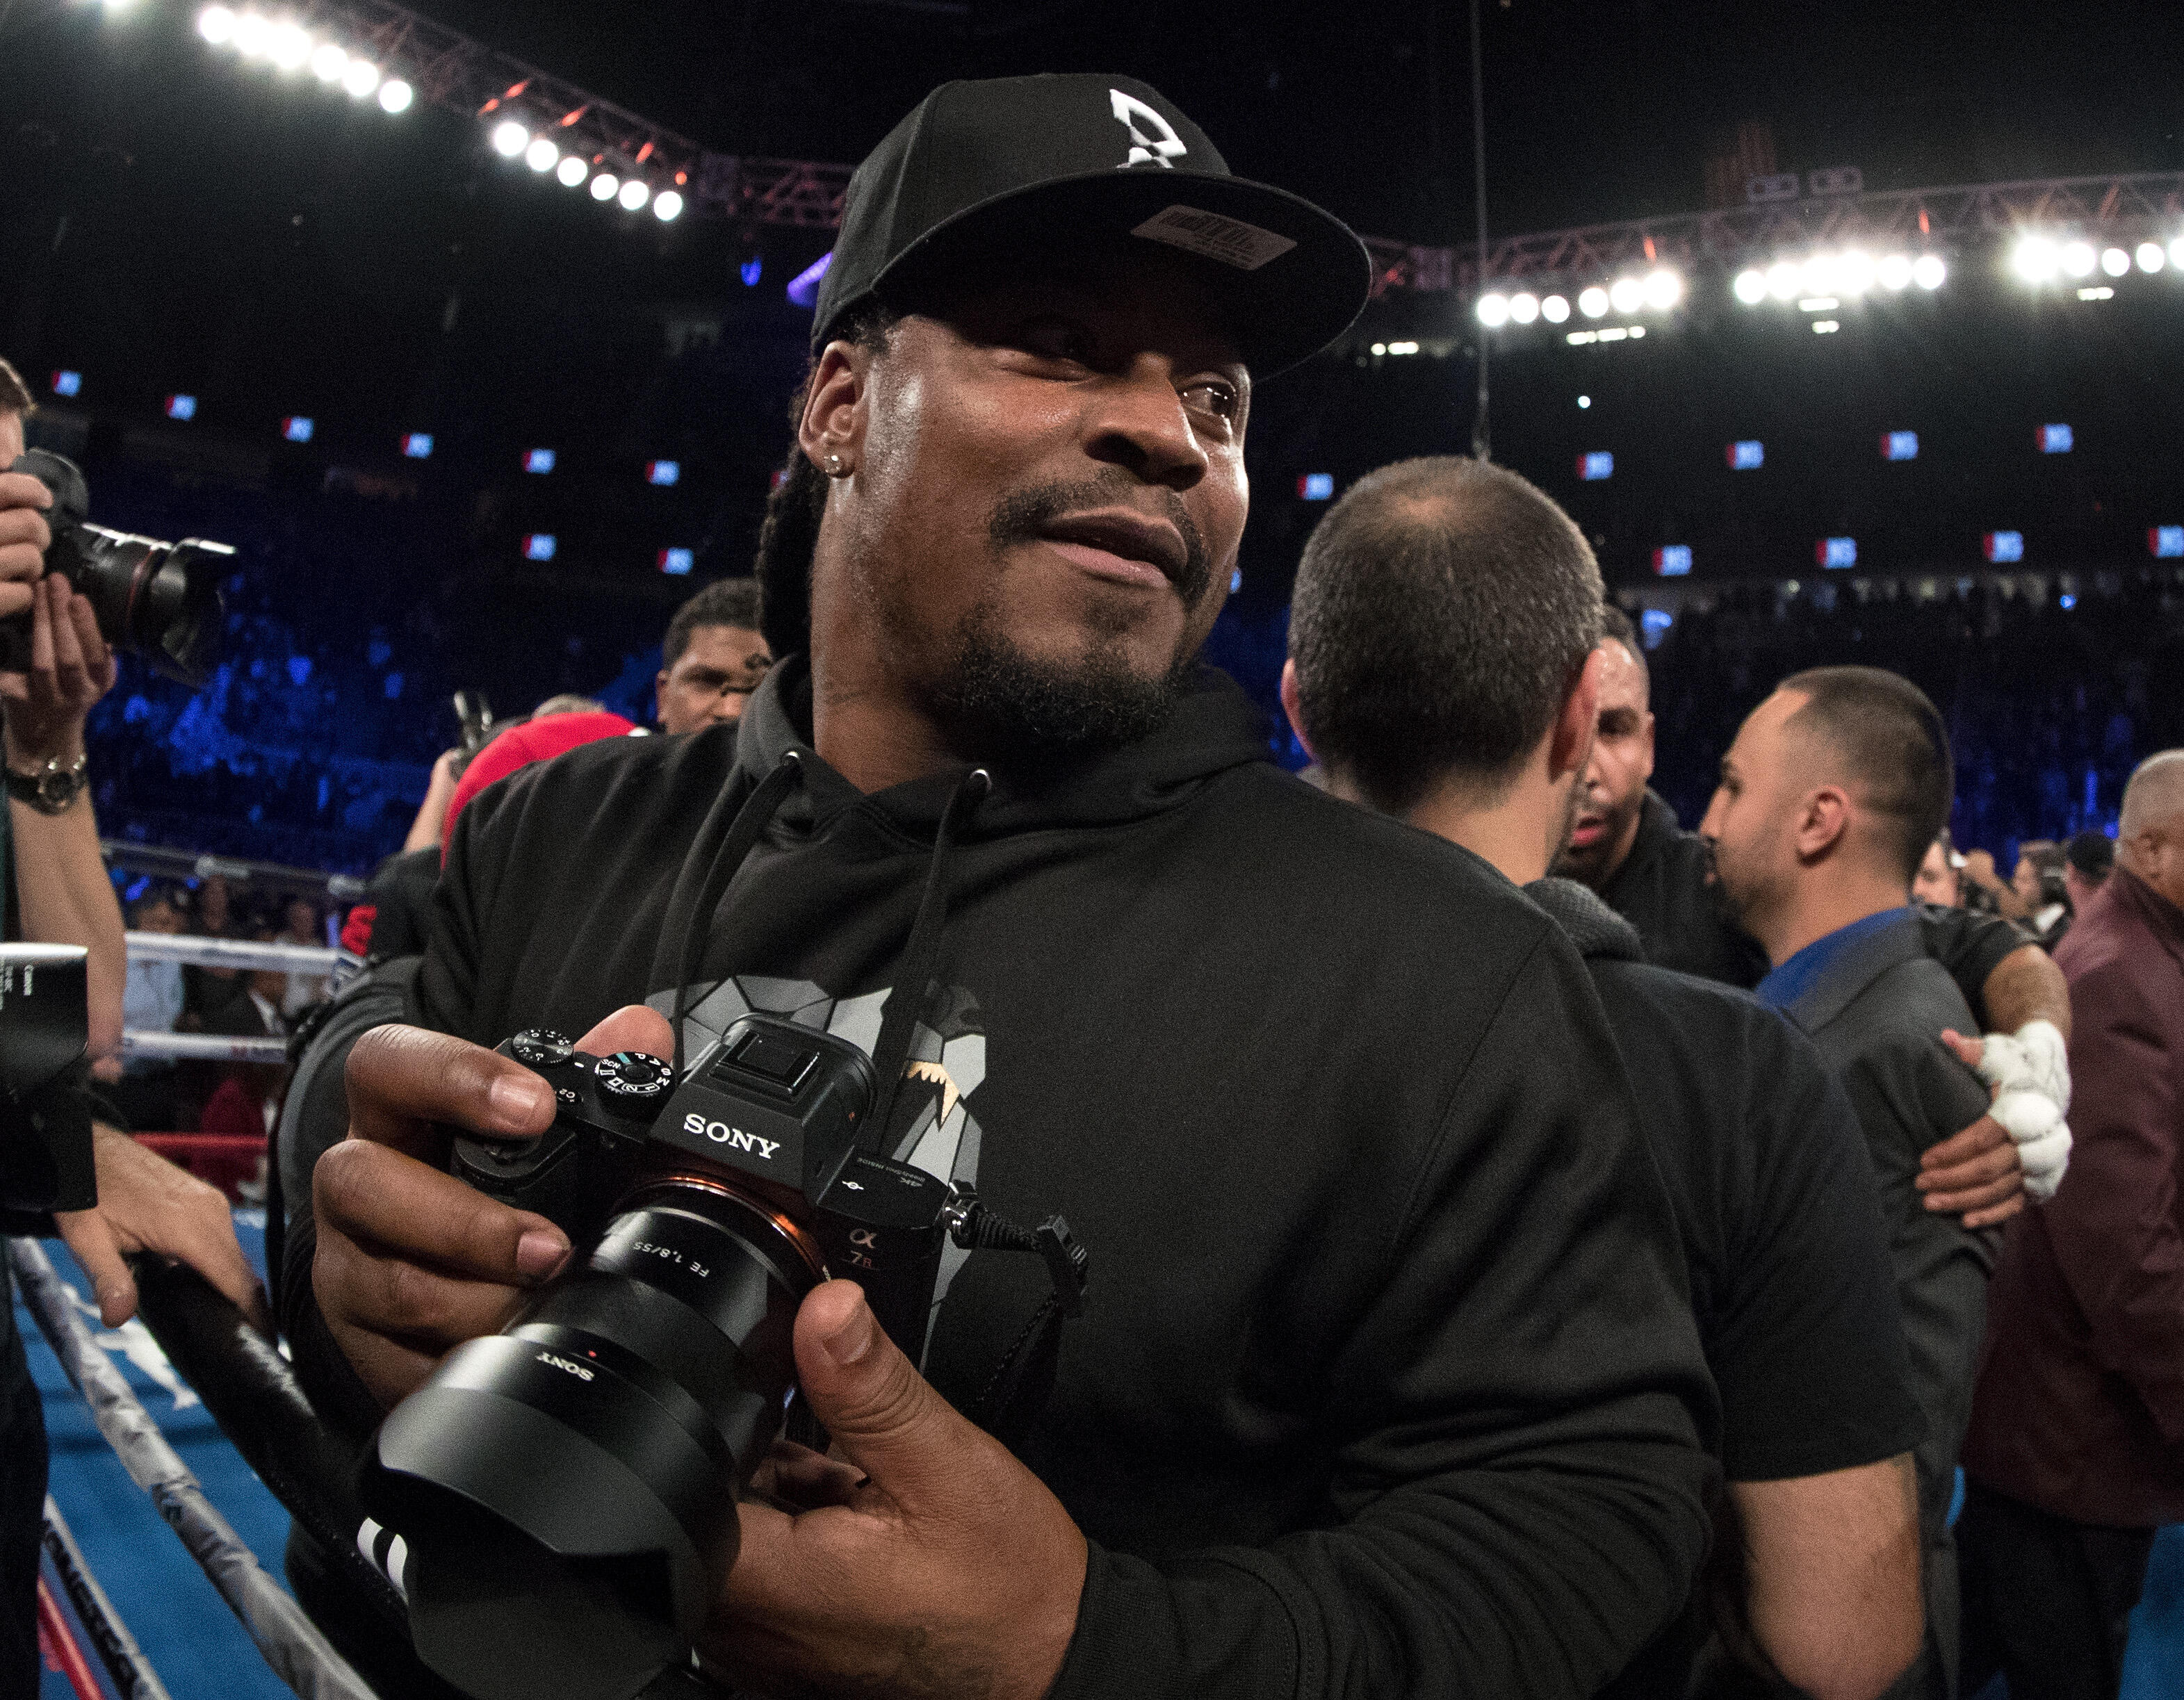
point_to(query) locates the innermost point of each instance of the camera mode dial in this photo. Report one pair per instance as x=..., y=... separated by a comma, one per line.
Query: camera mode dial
x=541, y=1047
x=633, y=1074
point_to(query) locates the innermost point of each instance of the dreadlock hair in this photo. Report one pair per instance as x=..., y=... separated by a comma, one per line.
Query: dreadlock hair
x=793, y=511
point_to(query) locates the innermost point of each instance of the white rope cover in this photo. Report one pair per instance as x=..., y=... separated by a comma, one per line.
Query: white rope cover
x=235, y=953
x=203, y=1047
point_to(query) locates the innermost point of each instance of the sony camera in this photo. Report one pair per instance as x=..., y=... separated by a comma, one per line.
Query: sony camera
x=565, y=1491
x=45, y=1161
x=160, y=600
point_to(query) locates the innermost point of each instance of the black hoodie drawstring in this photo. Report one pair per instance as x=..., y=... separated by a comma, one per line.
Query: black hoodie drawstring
x=914, y=987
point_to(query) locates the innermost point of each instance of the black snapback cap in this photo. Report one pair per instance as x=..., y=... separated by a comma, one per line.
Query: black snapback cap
x=983, y=172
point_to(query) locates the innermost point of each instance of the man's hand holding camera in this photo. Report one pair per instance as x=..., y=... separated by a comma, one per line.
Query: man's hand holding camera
x=25, y=537
x=71, y=667
x=923, y=1557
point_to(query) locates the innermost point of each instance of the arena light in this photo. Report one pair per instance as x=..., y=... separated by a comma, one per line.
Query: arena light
x=1598, y=464
x=1747, y=456
x=2176, y=252
x=1555, y=310
x=752, y=271
x=1585, y=401
x=1826, y=328
x=395, y=95
x=2114, y=261
x=1663, y=290
x=216, y=24
x=1402, y=348
x=2150, y=258
x=2102, y=292
x=603, y=185
x=1524, y=308
x=2165, y=543
x=804, y=288
x=1855, y=273
x=1784, y=278
x=634, y=194
x=252, y=34
x=1893, y=272
x=288, y=46
x=571, y=171
x=538, y=460
x=328, y=62
x=539, y=545
x=1929, y=272
x=1836, y=552
x=2003, y=546
x=360, y=79
x=542, y=155
x=1315, y=487
x=66, y=383
x=1493, y=311
x=1751, y=285
x=297, y=428
x=2034, y=259
x=181, y=407
x=2056, y=439
x=1593, y=303
x=1899, y=445
x=667, y=206
x=678, y=562
x=1818, y=276
x=1626, y=295
x=1672, y=561
x=510, y=139
x=663, y=472
x=418, y=445
x=2077, y=258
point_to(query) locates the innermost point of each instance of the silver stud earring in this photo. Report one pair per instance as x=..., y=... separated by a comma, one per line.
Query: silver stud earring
x=835, y=468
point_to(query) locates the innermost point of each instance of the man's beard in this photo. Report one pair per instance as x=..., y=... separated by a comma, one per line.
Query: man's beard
x=1020, y=706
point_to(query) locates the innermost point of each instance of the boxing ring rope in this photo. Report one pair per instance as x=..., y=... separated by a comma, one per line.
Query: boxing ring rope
x=242, y=956
x=132, y=1674
x=291, y=1644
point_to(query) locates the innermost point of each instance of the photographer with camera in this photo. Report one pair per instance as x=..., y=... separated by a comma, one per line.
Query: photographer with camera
x=1384, y=1384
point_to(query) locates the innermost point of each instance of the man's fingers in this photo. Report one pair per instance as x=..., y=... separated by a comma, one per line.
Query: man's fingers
x=1957, y=1202
x=1984, y=1135
x=71, y=681
x=632, y=1028
x=805, y=1480
x=87, y=1234
x=97, y=656
x=1983, y=1170
x=1995, y=1212
x=204, y=1239
x=404, y=1080
x=414, y=1215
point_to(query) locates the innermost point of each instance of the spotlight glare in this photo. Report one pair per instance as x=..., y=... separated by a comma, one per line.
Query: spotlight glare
x=2114, y=262
x=1593, y=301
x=1493, y=311
x=2150, y=257
x=571, y=171
x=288, y=46
x=216, y=24
x=1663, y=289
x=1524, y=308
x=361, y=77
x=1554, y=310
x=2176, y=252
x=328, y=64
x=1928, y=271
x=541, y=155
x=395, y=95
x=1894, y=271
x=1819, y=274
x=1783, y=278
x=2034, y=259
x=2079, y=258
x=667, y=206
x=634, y=194
x=252, y=34
x=510, y=138
x=1855, y=273
x=1751, y=286
x=604, y=185
x=1626, y=294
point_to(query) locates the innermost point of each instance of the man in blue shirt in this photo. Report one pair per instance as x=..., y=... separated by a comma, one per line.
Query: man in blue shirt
x=1835, y=787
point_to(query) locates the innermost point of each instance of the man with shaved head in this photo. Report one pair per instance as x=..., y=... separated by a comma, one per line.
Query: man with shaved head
x=2075, y=1453
x=1835, y=787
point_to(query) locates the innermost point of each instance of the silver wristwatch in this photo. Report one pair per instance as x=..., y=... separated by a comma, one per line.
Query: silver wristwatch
x=52, y=788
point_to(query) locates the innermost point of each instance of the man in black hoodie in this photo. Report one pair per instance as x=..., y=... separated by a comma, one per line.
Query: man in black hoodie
x=1386, y=1386
x=1443, y=671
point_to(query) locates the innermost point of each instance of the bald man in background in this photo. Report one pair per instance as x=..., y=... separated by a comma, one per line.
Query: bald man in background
x=2075, y=1451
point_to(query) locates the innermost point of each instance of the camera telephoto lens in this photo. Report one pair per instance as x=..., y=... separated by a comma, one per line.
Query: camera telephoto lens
x=159, y=601
x=567, y=1488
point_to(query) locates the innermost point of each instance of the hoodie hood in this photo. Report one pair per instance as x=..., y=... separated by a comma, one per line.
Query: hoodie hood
x=1214, y=728
x=1597, y=931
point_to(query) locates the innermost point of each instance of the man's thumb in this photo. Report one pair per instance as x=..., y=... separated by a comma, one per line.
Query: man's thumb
x=882, y=1414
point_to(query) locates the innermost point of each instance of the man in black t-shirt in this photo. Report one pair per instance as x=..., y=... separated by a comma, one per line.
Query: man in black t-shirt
x=1463, y=598
x=1627, y=845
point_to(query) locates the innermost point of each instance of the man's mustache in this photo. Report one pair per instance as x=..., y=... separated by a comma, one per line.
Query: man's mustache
x=1023, y=515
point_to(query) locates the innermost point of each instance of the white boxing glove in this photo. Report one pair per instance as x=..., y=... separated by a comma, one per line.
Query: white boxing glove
x=2030, y=1072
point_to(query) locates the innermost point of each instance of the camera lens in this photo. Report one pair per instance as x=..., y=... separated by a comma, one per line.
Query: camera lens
x=568, y=1489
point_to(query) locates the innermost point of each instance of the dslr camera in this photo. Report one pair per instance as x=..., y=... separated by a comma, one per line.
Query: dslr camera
x=160, y=600
x=45, y=1161
x=565, y=1491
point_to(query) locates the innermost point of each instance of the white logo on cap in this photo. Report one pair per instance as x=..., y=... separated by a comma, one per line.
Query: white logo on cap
x=1162, y=147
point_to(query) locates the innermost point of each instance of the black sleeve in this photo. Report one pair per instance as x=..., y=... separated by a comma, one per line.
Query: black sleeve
x=1807, y=1352
x=1519, y=1501
x=1971, y=947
